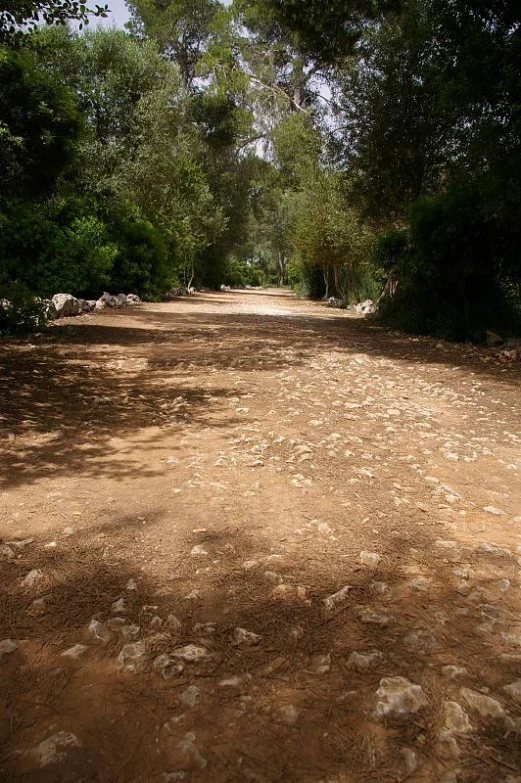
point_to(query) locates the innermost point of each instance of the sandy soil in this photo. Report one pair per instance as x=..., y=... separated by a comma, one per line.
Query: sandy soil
x=234, y=461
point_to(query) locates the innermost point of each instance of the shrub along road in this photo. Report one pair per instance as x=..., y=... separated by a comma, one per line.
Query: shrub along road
x=246, y=538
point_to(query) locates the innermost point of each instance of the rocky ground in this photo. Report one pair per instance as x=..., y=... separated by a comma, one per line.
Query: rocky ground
x=250, y=539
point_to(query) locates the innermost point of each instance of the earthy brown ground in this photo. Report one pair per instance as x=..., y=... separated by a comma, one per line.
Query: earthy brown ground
x=230, y=457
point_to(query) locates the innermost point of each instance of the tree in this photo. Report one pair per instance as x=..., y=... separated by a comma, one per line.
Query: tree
x=17, y=16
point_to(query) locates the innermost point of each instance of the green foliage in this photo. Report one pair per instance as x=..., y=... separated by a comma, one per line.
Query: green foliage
x=240, y=272
x=47, y=252
x=18, y=16
x=39, y=126
x=20, y=310
x=453, y=277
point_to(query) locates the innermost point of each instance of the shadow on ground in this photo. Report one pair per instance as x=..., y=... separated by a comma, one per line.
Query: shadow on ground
x=280, y=720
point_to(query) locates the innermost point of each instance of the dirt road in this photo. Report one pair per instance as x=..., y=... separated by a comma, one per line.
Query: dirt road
x=251, y=539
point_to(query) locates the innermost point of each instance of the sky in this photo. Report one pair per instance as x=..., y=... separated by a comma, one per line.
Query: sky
x=118, y=14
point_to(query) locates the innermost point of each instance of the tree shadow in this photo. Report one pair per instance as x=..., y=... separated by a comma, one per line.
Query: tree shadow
x=265, y=711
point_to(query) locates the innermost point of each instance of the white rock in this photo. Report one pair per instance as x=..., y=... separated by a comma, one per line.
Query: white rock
x=192, y=653
x=133, y=658
x=190, y=696
x=514, y=690
x=421, y=639
x=363, y=661
x=375, y=617
x=7, y=646
x=168, y=666
x=453, y=672
x=32, y=578
x=337, y=598
x=370, y=558
x=198, y=550
x=321, y=664
x=446, y=746
x=119, y=606
x=190, y=753
x=131, y=585
x=486, y=706
x=289, y=714
x=231, y=682
x=420, y=584
x=173, y=623
x=398, y=697
x=75, y=652
x=242, y=636
x=97, y=631
x=66, y=305
x=54, y=748
x=6, y=553
x=455, y=718
x=493, y=510
x=130, y=632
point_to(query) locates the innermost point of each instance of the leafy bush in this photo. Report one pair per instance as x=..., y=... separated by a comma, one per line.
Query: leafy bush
x=21, y=310
x=141, y=263
x=238, y=272
x=455, y=275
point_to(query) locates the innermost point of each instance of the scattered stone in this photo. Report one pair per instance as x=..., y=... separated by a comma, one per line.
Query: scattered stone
x=192, y=653
x=420, y=584
x=411, y=760
x=249, y=564
x=273, y=577
x=337, y=598
x=130, y=632
x=6, y=553
x=375, y=617
x=173, y=623
x=131, y=585
x=133, y=658
x=190, y=696
x=75, y=652
x=191, y=757
x=242, y=636
x=289, y=714
x=198, y=549
x=119, y=606
x=32, y=578
x=485, y=706
x=156, y=622
x=446, y=746
x=116, y=623
x=398, y=697
x=421, y=640
x=167, y=666
x=97, y=631
x=514, y=690
x=53, y=749
x=20, y=544
x=364, y=661
x=455, y=718
x=453, y=672
x=370, y=558
x=382, y=590
x=321, y=664
x=7, y=646
x=231, y=682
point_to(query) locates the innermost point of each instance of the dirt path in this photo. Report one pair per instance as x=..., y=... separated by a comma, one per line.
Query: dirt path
x=288, y=545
